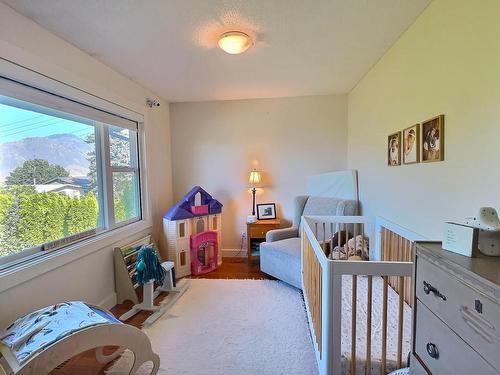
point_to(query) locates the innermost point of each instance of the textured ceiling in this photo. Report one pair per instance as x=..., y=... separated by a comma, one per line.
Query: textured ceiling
x=170, y=46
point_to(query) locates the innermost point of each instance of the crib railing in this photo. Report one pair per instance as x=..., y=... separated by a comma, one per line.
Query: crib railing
x=396, y=247
x=322, y=288
x=313, y=269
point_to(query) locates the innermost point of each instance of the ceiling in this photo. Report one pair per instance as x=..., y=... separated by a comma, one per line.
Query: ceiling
x=170, y=46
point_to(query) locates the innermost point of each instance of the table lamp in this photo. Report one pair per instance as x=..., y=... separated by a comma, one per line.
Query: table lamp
x=254, y=182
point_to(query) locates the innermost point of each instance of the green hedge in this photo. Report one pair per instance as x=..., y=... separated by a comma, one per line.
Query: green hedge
x=82, y=214
x=30, y=219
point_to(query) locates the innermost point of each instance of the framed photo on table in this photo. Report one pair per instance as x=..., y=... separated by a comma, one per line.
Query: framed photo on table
x=266, y=211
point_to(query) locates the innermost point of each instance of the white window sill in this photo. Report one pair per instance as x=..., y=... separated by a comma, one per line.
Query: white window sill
x=26, y=271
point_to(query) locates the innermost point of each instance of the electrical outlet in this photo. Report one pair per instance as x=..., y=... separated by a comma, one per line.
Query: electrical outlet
x=243, y=234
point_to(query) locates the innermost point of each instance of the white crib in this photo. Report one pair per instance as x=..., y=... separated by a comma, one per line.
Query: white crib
x=358, y=311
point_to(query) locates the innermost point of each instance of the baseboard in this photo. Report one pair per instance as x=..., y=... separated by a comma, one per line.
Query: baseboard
x=108, y=302
x=232, y=253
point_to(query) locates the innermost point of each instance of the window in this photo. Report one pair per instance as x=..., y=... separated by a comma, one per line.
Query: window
x=200, y=226
x=67, y=172
x=182, y=230
x=197, y=199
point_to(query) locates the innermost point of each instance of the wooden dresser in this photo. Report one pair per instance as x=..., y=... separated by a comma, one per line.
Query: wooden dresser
x=256, y=233
x=456, y=314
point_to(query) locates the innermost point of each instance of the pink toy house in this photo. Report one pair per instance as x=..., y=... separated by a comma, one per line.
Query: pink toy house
x=204, y=251
x=193, y=230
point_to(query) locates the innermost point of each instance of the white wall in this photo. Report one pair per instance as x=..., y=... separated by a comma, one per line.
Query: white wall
x=89, y=278
x=447, y=63
x=216, y=144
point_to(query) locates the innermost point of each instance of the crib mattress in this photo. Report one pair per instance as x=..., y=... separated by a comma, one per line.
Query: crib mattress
x=376, y=343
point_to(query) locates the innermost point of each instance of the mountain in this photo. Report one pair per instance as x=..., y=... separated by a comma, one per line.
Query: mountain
x=66, y=150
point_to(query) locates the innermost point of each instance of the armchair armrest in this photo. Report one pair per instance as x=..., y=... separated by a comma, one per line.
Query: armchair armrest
x=282, y=234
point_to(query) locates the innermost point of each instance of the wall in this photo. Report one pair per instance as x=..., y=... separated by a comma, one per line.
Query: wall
x=91, y=277
x=216, y=144
x=447, y=62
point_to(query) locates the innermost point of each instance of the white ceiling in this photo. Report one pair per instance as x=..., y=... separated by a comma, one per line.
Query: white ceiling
x=170, y=46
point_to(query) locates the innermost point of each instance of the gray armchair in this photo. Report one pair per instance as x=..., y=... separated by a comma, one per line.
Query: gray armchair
x=280, y=254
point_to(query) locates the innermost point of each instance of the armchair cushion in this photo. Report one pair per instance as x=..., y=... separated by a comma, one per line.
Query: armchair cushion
x=281, y=259
x=329, y=206
x=282, y=234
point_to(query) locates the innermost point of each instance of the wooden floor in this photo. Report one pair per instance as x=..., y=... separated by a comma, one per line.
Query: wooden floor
x=231, y=268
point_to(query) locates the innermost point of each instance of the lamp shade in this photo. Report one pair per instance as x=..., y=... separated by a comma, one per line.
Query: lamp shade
x=255, y=178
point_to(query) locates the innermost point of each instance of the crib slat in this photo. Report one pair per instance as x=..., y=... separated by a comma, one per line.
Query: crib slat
x=331, y=239
x=340, y=240
x=383, y=365
x=400, y=320
x=353, y=323
x=383, y=244
x=320, y=302
x=346, y=246
x=400, y=258
x=369, y=327
x=324, y=238
x=362, y=236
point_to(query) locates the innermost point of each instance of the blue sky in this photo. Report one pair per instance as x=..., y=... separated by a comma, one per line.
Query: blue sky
x=17, y=124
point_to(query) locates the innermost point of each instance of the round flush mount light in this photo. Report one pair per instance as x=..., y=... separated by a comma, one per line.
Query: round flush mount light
x=235, y=42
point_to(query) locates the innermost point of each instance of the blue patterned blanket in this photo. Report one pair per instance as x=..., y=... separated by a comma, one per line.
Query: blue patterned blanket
x=35, y=331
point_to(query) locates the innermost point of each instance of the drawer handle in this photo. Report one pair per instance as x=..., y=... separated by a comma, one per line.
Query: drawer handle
x=432, y=350
x=428, y=288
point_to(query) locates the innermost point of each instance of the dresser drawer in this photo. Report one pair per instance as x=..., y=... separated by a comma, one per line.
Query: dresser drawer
x=441, y=350
x=473, y=316
x=260, y=231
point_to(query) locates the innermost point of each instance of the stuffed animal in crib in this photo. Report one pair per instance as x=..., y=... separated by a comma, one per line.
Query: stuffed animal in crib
x=357, y=247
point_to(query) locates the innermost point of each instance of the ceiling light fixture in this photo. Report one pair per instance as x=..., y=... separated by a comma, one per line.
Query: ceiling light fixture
x=235, y=42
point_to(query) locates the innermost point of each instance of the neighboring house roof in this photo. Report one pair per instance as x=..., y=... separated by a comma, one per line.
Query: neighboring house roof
x=55, y=188
x=78, y=181
x=182, y=209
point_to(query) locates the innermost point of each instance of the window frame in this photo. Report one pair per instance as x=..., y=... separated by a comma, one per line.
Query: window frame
x=108, y=178
x=30, y=93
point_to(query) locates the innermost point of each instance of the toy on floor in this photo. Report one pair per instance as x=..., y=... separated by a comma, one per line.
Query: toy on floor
x=151, y=271
x=193, y=231
x=38, y=342
x=204, y=251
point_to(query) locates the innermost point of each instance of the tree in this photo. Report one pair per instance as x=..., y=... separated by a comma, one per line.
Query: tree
x=91, y=157
x=119, y=153
x=35, y=171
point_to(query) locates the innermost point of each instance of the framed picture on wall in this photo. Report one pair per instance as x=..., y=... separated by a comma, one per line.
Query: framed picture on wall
x=394, y=149
x=433, y=139
x=411, y=144
x=266, y=211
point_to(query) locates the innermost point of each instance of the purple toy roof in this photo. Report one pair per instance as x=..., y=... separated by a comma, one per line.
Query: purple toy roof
x=182, y=209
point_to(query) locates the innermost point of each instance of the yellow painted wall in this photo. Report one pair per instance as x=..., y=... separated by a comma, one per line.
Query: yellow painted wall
x=447, y=62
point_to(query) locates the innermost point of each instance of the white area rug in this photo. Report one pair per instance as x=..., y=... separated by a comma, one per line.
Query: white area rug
x=232, y=327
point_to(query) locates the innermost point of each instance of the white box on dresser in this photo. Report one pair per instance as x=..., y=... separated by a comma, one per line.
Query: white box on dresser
x=456, y=312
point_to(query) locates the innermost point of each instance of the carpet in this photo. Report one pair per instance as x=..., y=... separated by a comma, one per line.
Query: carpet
x=231, y=327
